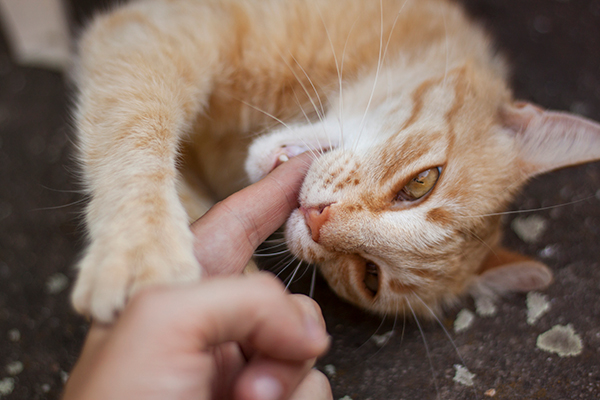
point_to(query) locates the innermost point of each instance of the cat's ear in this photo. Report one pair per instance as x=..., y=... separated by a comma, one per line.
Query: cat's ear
x=548, y=140
x=506, y=271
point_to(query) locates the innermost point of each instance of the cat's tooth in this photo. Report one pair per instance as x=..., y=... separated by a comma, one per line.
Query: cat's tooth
x=283, y=158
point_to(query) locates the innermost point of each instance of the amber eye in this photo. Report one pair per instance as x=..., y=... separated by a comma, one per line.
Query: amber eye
x=420, y=185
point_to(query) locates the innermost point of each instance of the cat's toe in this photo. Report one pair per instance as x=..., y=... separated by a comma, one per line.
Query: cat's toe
x=260, y=161
x=102, y=290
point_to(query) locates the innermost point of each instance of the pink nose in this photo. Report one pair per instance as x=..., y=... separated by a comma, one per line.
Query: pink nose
x=315, y=217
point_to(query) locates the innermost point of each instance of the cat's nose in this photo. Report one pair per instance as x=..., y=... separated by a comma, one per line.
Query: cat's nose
x=315, y=217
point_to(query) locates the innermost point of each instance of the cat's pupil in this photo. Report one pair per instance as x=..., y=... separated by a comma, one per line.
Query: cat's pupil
x=420, y=185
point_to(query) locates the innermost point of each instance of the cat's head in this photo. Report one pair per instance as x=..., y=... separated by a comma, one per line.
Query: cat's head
x=404, y=212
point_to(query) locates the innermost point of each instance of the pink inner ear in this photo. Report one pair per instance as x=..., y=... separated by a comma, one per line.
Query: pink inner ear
x=548, y=140
x=523, y=276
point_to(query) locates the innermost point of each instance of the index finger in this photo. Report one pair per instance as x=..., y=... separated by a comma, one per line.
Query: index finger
x=227, y=235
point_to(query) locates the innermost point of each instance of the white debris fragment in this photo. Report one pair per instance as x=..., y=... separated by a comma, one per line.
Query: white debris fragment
x=464, y=320
x=14, y=335
x=537, y=305
x=56, y=283
x=490, y=393
x=346, y=398
x=549, y=251
x=561, y=340
x=329, y=370
x=7, y=385
x=46, y=387
x=484, y=306
x=598, y=194
x=529, y=229
x=14, y=368
x=64, y=376
x=381, y=340
x=463, y=376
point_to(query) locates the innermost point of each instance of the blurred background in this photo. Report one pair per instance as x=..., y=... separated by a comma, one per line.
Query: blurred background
x=554, y=48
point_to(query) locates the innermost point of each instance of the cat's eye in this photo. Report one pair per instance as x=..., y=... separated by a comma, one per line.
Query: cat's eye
x=371, y=280
x=420, y=185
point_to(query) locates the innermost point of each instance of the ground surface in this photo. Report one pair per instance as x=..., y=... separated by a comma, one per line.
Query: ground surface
x=555, y=49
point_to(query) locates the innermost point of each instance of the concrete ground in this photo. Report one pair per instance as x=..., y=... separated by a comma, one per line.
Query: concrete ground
x=554, y=46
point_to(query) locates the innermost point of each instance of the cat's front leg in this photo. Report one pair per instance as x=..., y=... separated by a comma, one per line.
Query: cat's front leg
x=142, y=82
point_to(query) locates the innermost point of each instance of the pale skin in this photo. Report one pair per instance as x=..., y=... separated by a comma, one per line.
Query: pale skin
x=234, y=337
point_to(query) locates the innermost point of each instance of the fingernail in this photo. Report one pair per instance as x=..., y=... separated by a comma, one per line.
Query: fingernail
x=267, y=388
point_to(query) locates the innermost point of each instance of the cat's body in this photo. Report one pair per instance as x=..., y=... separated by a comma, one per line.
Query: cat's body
x=392, y=88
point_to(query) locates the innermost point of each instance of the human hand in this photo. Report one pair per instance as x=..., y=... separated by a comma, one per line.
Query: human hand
x=182, y=343
x=135, y=358
x=229, y=233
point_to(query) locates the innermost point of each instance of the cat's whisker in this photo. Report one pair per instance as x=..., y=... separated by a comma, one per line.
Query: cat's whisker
x=73, y=203
x=447, y=334
x=392, y=30
x=470, y=232
x=312, y=282
x=379, y=65
x=532, y=209
x=373, y=334
x=280, y=268
x=262, y=111
x=447, y=51
x=315, y=150
x=437, y=390
x=280, y=244
x=337, y=65
x=403, y=322
x=271, y=254
x=291, y=279
x=322, y=115
x=341, y=89
x=82, y=192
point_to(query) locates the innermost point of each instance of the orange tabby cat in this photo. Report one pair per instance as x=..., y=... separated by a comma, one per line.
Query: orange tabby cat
x=426, y=144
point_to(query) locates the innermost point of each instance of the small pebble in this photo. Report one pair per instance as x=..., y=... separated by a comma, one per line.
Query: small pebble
x=381, y=340
x=56, y=283
x=14, y=368
x=529, y=229
x=549, y=251
x=490, y=393
x=46, y=387
x=561, y=340
x=537, y=305
x=463, y=376
x=329, y=370
x=14, y=335
x=485, y=307
x=464, y=320
x=7, y=385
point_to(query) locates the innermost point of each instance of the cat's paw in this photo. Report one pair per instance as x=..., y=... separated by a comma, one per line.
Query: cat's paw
x=109, y=276
x=261, y=161
x=268, y=151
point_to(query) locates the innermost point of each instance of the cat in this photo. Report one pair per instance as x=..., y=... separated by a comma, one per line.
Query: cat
x=183, y=102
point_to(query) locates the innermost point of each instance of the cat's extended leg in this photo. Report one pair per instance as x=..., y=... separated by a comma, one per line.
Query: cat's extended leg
x=144, y=73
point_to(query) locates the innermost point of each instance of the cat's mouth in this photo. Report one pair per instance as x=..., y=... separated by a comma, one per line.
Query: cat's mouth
x=371, y=279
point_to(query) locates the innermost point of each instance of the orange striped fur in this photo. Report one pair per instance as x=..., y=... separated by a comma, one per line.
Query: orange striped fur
x=181, y=100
